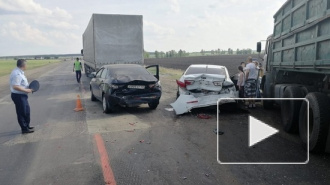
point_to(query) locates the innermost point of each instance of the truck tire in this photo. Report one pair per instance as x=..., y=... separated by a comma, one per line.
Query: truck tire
x=290, y=109
x=319, y=117
x=267, y=104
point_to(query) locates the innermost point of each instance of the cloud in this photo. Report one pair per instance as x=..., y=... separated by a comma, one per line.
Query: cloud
x=156, y=30
x=174, y=5
x=31, y=7
x=26, y=33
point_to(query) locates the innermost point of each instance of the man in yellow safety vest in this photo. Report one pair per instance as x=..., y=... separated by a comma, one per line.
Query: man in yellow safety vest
x=78, y=68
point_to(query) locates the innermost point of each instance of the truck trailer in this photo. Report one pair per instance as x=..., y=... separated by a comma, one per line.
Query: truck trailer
x=112, y=39
x=298, y=66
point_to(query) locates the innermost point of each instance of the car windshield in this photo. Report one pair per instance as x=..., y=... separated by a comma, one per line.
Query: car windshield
x=205, y=70
x=129, y=70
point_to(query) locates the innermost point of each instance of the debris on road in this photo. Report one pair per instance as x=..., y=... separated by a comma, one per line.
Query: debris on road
x=184, y=178
x=169, y=109
x=132, y=124
x=207, y=175
x=218, y=132
x=141, y=141
x=130, y=151
x=204, y=116
x=130, y=130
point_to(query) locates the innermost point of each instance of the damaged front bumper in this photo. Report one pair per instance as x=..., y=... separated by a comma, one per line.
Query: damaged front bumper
x=186, y=103
x=135, y=100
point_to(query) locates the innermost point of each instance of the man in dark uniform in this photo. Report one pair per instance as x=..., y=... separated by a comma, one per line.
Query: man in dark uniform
x=19, y=87
x=78, y=68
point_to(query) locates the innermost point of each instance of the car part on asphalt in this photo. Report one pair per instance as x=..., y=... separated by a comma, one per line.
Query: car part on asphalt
x=204, y=116
x=218, y=132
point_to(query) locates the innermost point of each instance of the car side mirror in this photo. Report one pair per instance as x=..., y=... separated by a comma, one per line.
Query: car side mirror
x=259, y=47
x=92, y=75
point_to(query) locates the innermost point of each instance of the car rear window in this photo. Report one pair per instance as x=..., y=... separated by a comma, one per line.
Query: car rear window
x=204, y=70
x=129, y=71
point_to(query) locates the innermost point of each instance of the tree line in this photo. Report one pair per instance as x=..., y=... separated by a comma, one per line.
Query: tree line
x=183, y=53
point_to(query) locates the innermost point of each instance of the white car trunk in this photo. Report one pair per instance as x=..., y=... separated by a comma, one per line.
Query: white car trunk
x=207, y=82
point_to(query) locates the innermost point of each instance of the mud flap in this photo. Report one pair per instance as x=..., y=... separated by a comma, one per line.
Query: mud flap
x=187, y=102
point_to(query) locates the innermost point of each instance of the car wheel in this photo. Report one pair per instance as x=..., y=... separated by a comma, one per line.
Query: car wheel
x=93, y=98
x=153, y=106
x=106, y=106
x=319, y=119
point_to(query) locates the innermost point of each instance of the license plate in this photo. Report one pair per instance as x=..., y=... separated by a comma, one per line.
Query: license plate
x=136, y=87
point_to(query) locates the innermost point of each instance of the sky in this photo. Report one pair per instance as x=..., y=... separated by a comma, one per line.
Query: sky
x=31, y=27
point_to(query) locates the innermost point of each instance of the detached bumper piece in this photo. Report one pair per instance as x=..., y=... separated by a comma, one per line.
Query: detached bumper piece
x=186, y=103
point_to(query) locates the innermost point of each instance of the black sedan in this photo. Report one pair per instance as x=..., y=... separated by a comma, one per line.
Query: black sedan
x=126, y=85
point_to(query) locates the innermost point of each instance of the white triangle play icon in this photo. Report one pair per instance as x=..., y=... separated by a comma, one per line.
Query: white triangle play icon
x=259, y=131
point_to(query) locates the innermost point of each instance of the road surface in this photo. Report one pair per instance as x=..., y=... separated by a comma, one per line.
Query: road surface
x=130, y=146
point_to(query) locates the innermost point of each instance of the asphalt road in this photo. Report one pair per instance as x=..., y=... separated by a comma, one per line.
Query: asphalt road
x=142, y=146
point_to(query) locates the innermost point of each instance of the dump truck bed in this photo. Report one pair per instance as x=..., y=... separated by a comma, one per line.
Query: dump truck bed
x=301, y=39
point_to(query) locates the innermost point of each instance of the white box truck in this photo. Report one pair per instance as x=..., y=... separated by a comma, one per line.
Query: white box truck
x=112, y=39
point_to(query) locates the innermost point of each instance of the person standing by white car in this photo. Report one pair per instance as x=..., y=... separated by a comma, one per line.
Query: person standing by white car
x=251, y=76
x=241, y=81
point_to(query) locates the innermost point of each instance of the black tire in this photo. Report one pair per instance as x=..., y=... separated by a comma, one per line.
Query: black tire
x=319, y=117
x=107, y=108
x=153, y=106
x=93, y=98
x=267, y=104
x=290, y=109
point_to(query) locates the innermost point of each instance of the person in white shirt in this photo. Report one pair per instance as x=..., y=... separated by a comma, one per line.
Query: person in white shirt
x=241, y=81
x=19, y=87
x=251, y=76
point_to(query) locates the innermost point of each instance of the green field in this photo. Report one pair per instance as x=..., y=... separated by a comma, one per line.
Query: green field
x=6, y=66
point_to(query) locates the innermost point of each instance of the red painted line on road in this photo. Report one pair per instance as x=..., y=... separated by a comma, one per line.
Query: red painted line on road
x=109, y=178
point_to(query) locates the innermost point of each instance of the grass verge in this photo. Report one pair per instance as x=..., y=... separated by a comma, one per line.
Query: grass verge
x=6, y=66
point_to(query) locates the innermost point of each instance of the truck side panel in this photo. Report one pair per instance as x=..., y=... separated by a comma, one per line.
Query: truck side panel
x=88, y=44
x=118, y=39
x=304, y=50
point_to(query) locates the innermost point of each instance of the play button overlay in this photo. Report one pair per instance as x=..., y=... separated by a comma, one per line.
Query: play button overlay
x=257, y=136
x=259, y=131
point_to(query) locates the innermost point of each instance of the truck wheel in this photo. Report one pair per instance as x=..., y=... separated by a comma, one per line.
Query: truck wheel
x=93, y=98
x=106, y=106
x=319, y=118
x=267, y=104
x=290, y=109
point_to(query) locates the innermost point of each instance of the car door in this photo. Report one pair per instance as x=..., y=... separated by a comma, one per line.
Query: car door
x=97, y=83
x=154, y=70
